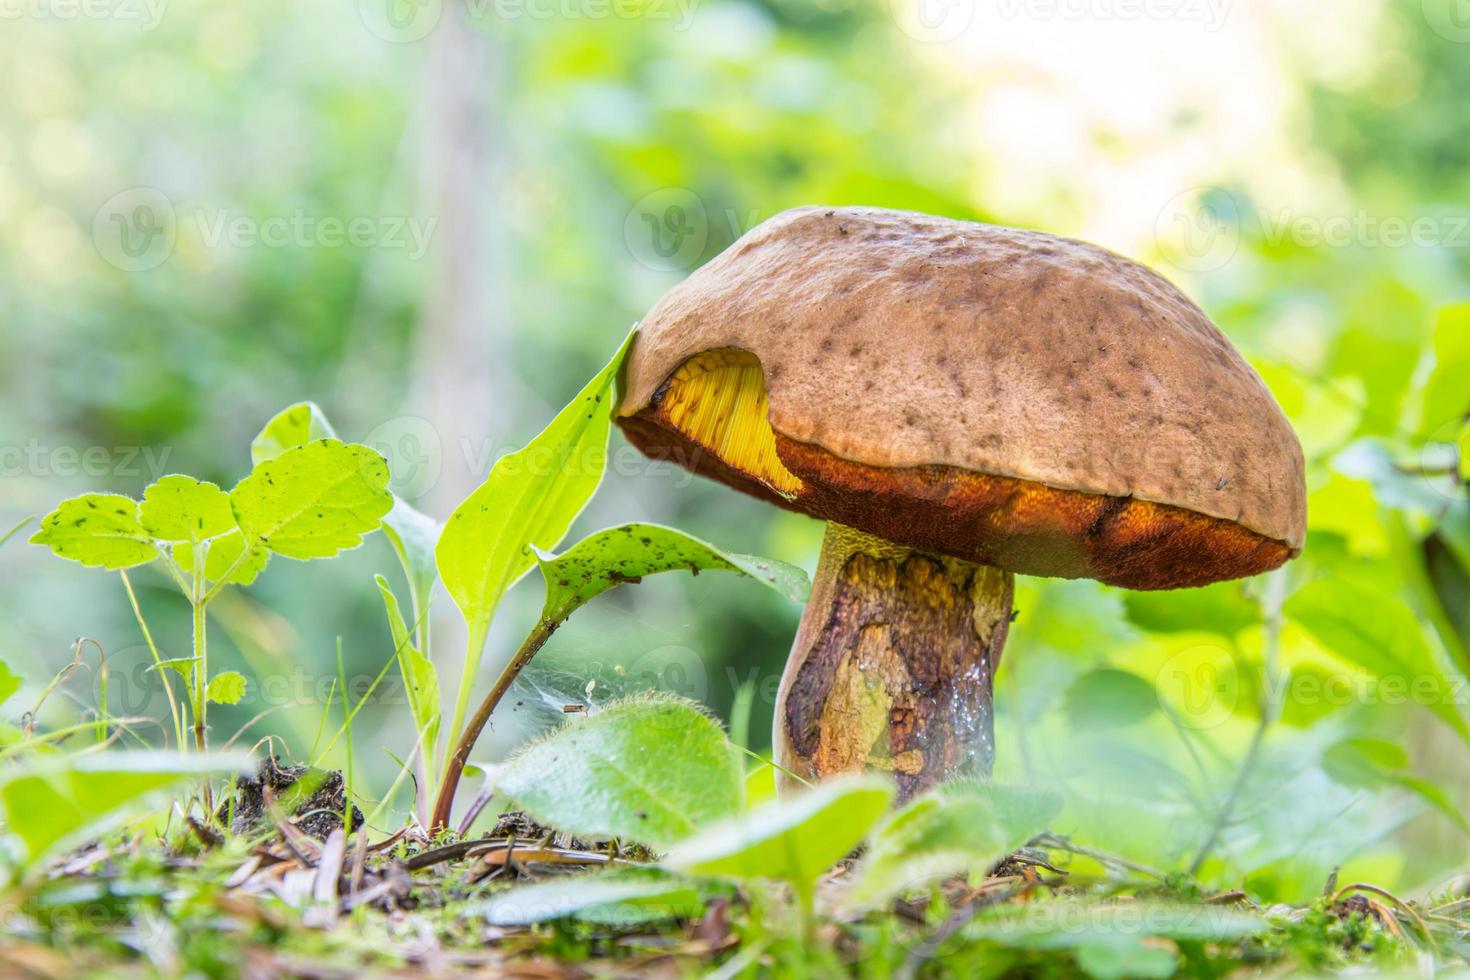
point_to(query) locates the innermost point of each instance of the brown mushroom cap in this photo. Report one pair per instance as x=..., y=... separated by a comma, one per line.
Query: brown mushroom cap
x=1004, y=396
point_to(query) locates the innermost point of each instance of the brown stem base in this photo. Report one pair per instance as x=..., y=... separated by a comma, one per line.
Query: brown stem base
x=893, y=665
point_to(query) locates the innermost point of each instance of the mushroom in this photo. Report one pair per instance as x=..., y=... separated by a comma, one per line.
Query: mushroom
x=961, y=403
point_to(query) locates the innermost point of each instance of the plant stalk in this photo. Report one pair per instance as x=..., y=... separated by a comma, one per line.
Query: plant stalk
x=454, y=765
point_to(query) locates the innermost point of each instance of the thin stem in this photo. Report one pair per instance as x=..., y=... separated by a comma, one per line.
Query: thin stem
x=1271, y=704
x=473, y=649
x=454, y=767
x=168, y=689
x=199, y=670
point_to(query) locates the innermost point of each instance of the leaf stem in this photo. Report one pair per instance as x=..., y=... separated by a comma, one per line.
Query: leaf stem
x=454, y=766
x=1271, y=705
x=168, y=689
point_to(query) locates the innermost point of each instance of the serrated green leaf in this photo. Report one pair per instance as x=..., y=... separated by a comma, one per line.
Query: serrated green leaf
x=649, y=770
x=420, y=679
x=530, y=499
x=9, y=682
x=291, y=427
x=53, y=803
x=1221, y=608
x=181, y=508
x=794, y=840
x=413, y=536
x=1379, y=633
x=1108, y=698
x=314, y=500
x=627, y=553
x=622, y=899
x=97, y=529
x=221, y=559
x=960, y=827
x=226, y=688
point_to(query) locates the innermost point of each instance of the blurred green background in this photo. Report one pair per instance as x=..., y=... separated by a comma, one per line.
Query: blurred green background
x=437, y=219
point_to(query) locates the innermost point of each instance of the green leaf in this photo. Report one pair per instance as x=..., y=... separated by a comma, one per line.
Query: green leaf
x=1106, y=698
x=1127, y=959
x=62, y=801
x=622, y=900
x=1463, y=444
x=1222, y=608
x=420, y=679
x=226, y=688
x=181, y=508
x=1445, y=396
x=97, y=529
x=314, y=500
x=223, y=553
x=1068, y=923
x=291, y=427
x=960, y=827
x=413, y=536
x=183, y=666
x=530, y=499
x=9, y=682
x=650, y=769
x=1379, y=633
x=794, y=840
x=627, y=553
x=1366, y=763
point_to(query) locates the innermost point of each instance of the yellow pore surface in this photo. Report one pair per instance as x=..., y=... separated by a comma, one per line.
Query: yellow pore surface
x=717, y=400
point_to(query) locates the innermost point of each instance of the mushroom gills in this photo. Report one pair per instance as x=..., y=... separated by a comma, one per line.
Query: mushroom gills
x=717, y=400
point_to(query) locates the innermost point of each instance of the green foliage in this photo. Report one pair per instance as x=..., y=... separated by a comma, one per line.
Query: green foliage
x=961, y=828
x=413, y=536
x=628, y=552
x=1222, y=608
x=181, y=508
x=793, y=840
x=315, y=500
x=621, y=899
x=226, y=688
x=650, y=770
x=1108, y=698
x=420, y=678
x=293, y=426
x=62, y=800
x=97, y=529
x=9, y=682
x=1380, y=634
x=530, y=498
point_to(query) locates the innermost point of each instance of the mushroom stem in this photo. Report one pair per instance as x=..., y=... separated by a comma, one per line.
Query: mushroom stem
x=893, y=665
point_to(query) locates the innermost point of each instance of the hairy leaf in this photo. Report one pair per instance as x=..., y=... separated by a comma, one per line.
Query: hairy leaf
x=650, y=770
x=226, y=688
x=224, y=552
x=181, y=508
x=627, y=553
x=97, y=529
x=314, y=500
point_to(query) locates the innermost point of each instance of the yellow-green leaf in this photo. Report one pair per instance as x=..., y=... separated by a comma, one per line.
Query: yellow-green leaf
x=314, y=500
x=291, y=427
x=97, y=529
x=181, y=508
x=226, y=688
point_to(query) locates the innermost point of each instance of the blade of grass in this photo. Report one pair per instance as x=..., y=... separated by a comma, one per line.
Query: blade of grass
x=168, y=689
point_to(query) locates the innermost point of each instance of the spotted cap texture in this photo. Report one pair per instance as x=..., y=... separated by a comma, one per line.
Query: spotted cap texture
x=996, y=394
